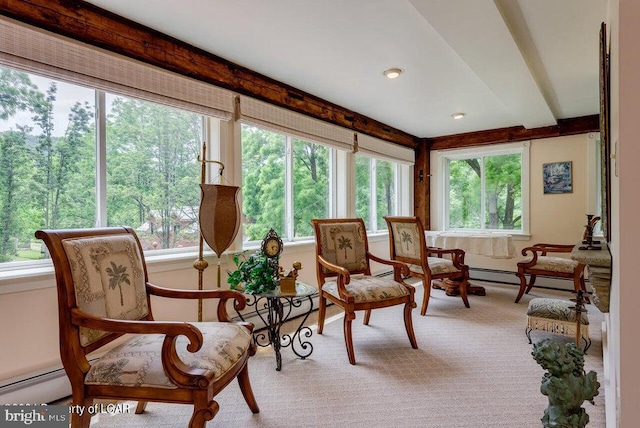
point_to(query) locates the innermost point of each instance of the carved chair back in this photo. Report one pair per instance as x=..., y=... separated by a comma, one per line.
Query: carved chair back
x=102, y=273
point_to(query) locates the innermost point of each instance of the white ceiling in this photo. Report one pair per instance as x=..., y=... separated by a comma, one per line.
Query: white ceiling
x=503, y=63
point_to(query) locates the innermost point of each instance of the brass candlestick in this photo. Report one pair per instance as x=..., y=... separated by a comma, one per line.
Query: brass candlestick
x=587, y=237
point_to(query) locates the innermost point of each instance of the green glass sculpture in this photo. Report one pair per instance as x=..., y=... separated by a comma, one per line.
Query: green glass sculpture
x=566, y=384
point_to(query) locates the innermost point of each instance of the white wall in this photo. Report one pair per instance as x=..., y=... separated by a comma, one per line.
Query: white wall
x=624, y=16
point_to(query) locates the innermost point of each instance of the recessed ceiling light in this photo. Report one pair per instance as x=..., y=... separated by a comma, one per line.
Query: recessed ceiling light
x=392, y=73
x=457, y=116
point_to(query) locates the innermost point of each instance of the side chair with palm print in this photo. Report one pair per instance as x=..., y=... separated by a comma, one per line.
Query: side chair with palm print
x=344, y=277
x=104, y=293
x=407, y=244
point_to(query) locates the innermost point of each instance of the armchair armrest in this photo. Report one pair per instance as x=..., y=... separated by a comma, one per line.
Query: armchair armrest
x=400, y=269
x=335, y=268
x=553, y=248
x=538, y=250
x=170, y=328
x=541, y=250
x=457, y=255
x=179, y=373
x=344, y=277
x=238, y=298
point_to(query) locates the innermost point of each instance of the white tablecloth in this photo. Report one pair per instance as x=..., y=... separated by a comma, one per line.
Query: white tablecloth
x=491, y=244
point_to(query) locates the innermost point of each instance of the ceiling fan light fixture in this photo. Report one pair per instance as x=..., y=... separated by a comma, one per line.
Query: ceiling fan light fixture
x=393, y=73
x=458, y=116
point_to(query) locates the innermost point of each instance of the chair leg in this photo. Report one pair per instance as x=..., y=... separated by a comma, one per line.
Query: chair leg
x=140, y=407
x=84, y=420
x=203, y=411
x=322, y=310
x=348, y=339
x=367, y=317
x=464, y=285
x=426, y=286
x=523, y=285
x=247, y=391
x=532, y=280
x=408, y=324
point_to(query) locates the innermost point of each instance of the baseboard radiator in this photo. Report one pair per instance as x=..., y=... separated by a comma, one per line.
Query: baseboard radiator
x=508, y=277
x=39, y=388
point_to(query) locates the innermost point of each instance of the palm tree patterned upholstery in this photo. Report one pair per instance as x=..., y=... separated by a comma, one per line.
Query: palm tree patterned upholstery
x=407, y=244
x=104, y=293
x=344, y=277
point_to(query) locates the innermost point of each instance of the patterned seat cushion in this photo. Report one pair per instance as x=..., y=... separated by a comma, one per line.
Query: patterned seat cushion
x=440, y=265
x=554, y=309
x=369, y=289
x=554, y=264
x=138, y=362
x=437, y=265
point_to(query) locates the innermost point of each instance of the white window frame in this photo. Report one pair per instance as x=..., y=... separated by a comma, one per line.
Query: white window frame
x=402, y=172
x=11, y=269
x=289, y=192
x=440, y=181
x=289, y=227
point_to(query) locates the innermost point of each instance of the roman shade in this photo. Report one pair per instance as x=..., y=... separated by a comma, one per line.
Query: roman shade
x=264, y=115
x=378, y=148
x=36, y=51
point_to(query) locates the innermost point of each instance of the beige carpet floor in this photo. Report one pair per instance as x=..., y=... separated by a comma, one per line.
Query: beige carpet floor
x=474, y=369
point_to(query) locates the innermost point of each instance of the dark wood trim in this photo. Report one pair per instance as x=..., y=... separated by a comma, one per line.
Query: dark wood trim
x=421, y=208
x=576, y=125
x=87, y=23
x=422, y=188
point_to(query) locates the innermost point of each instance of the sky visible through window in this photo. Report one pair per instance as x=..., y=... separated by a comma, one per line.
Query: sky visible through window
x=66, y=96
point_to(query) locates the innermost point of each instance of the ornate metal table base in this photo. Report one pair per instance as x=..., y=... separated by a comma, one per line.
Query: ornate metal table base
x=270, y=308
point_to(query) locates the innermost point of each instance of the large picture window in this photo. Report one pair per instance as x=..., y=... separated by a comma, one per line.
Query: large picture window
x=50, y=152
x=152, y=171
x=376, y=191
x=485, y=189
x=285, y=184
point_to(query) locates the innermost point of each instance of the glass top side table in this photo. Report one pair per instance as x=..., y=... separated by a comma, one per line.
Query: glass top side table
x=270, y=308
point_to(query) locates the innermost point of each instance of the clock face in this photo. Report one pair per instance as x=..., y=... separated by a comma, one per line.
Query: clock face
x=272, y=247
x=272, y=244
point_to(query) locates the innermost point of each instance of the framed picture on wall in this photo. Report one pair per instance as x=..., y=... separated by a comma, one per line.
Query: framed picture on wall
x=557, y=177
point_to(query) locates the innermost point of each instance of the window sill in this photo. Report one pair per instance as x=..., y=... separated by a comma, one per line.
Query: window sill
x=40, y=275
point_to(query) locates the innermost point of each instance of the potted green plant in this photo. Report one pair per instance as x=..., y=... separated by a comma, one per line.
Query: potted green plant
x=255, y=274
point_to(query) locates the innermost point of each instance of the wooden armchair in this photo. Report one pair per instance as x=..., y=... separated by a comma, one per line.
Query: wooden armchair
x=540, y=263
x=408, y=244
x=104, y=293
x=344, y=277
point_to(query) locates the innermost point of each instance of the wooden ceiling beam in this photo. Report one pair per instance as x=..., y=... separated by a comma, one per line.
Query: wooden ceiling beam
x=87, y=23
x=577, y=125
